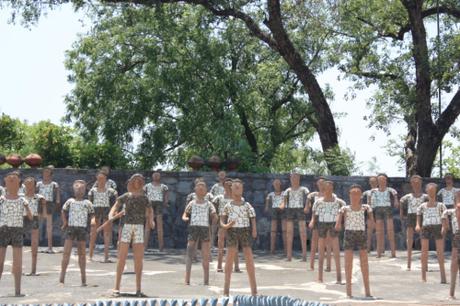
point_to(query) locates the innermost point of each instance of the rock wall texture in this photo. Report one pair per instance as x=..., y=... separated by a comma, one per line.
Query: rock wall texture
x=181, y=183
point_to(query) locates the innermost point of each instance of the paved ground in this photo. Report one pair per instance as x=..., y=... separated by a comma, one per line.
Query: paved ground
x=163, y=277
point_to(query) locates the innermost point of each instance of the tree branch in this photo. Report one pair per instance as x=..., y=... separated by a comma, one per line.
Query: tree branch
x=367, y=74
x=376, y=75
x=446, y=10
x=250, y=137
x=449, y=115
x=253, y=27
x=125, y=67
x=324, y=121
x=295, y=135
x=288, y=134
x=318, y=50
x=451, y=11
x=173, y=147
x=380, y=33
x=289, y=95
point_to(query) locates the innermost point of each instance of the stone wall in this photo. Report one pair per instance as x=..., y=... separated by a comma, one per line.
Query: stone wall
x=181, y=183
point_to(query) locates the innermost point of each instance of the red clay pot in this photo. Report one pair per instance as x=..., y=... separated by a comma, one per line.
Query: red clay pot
x=14, y=160
x=195, y=162
x=33, y=160
x=214, y=162
x=232, y=164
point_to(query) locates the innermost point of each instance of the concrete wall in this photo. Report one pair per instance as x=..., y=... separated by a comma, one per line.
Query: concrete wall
x=181, y=183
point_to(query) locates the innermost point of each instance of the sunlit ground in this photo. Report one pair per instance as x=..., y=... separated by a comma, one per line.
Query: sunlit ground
x=163, y=278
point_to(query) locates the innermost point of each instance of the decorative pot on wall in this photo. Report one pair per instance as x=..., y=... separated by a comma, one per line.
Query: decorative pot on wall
x=232, y=164
x=195, y=162
x=33, y=160
x=214, y=162
x=14, y=160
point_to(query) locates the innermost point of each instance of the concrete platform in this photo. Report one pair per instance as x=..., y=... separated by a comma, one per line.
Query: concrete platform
x=163, y=278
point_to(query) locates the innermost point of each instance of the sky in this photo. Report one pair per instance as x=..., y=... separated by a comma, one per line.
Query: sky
x=33, y=79
x=33, y=83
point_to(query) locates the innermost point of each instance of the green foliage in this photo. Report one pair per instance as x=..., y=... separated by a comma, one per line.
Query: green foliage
x=187, y=84
x=379, y=49
x=58, y=145
x=378, y=52
x=29, y=11
x=341, y=162
x=192, y=83
x=334, y=162
x=372, y=58
x=451, y=163
x=53, y=143
x=11, y=134
x=94, y=155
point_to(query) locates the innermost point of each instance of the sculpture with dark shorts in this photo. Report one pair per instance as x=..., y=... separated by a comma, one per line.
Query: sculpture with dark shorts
x=102, y=198
x=325, y=214
x=382, y=200
x=12, y=208
x=453, y=215
x=239, y=219
x=49, y=189
x=273, y=203
x=408, y=211
x=158, y=195
x=32, y=226
x=355, y=236
x=429, y=220
x=200, y=213
x=76, y=214
x=137, y=211
x=295, y=208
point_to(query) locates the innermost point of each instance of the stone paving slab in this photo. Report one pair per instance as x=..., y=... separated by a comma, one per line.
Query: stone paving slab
x=163, y=278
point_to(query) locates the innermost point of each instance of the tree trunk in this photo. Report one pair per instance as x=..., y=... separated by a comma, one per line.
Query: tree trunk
x=410, y=149
x=324, y=122
x=428, y=137
x=250, y=137
x=427, y=148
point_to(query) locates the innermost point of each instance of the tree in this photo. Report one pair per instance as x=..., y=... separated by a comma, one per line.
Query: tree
x=289, y=30
x=12, y=134
x=53, y=143
x=386, y=43
x=58, y=145
x=94, y=155
x=199, y=91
